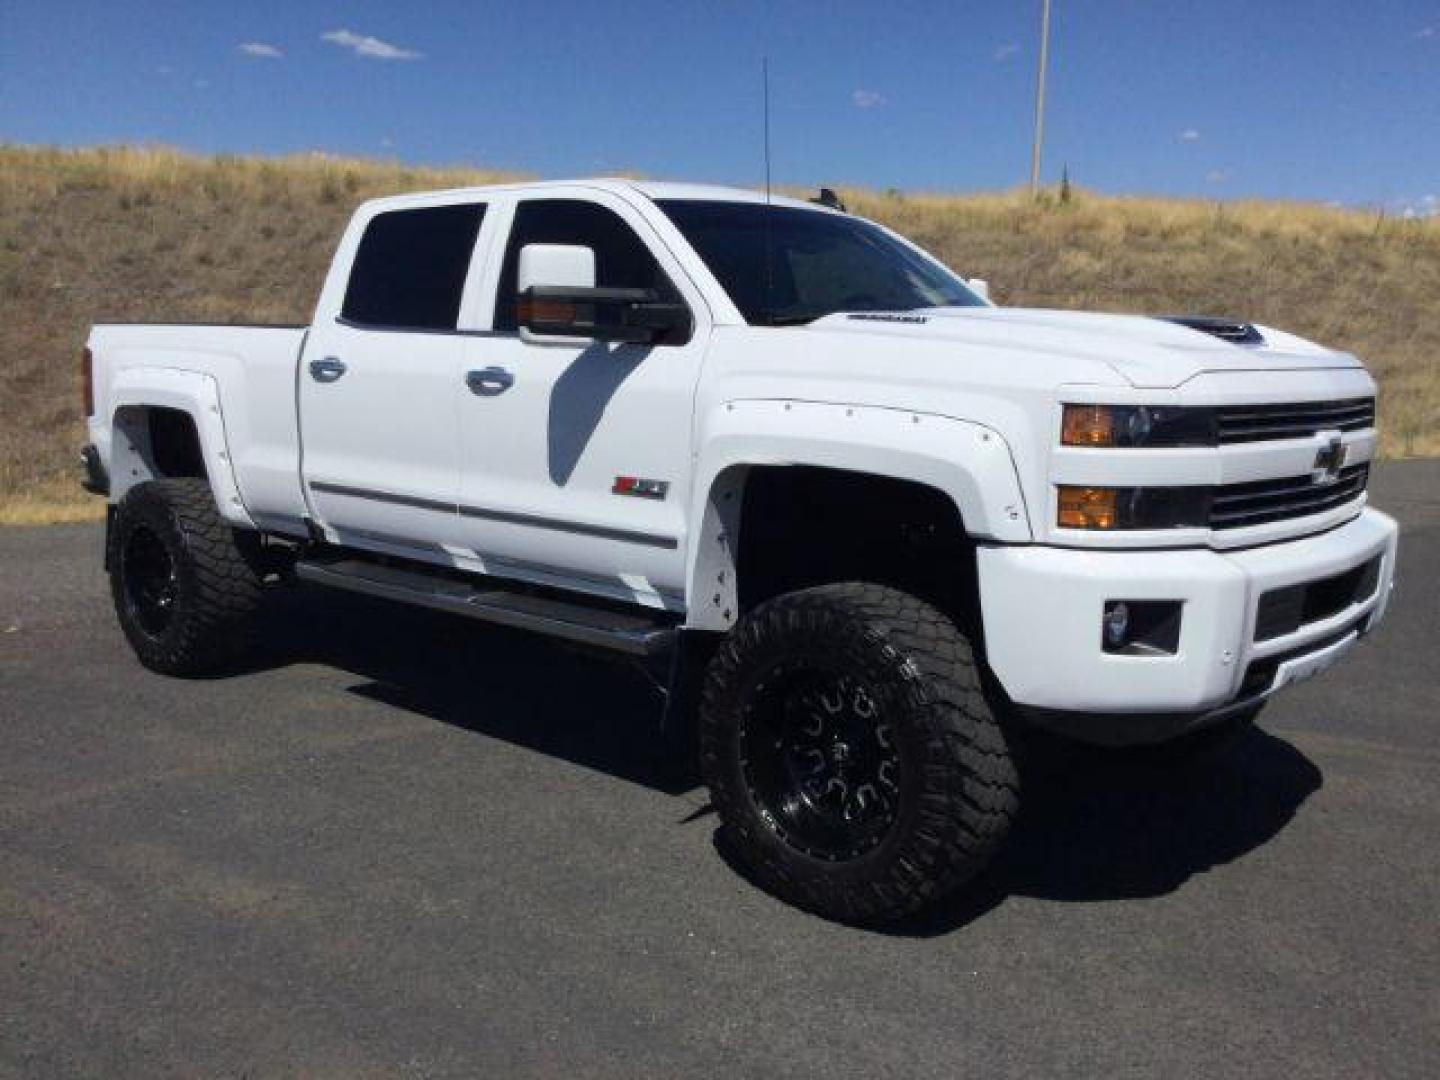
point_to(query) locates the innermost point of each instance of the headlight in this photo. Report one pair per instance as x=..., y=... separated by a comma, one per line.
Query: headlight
x=1132, y=508
x=1136, y=425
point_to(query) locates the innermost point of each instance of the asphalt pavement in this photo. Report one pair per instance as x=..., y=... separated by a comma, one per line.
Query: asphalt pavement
x=404, y=845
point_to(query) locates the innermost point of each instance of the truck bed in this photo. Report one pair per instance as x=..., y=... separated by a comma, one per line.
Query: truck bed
x=252, y=367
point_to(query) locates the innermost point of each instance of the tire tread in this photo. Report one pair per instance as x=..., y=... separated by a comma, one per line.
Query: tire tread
x=223, y=586
x=970, y=788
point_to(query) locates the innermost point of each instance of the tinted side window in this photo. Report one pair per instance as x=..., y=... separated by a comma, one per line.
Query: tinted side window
x=622, y=261
x=410, y=268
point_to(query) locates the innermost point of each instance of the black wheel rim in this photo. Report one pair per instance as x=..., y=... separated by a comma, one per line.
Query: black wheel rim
x=149, y=576
x=819, y=761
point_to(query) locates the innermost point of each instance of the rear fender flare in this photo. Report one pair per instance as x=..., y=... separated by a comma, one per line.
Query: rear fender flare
x=139, y=389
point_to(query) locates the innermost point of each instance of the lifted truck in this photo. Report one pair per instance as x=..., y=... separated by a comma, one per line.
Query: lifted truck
x=894, y=522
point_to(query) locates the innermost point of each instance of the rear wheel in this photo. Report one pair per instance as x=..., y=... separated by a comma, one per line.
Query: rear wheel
x=851, y=753
x=184, y=587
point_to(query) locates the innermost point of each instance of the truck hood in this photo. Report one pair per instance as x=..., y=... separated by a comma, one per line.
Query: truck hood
x=1147, y=352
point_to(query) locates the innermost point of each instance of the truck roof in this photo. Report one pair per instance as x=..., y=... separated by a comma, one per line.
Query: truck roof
x=651, y=189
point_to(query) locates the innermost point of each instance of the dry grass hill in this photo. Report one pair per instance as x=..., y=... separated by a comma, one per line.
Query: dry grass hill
x=119, y=234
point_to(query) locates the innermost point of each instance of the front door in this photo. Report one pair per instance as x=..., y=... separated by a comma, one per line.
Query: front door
x=575, y=458
x=380, y=387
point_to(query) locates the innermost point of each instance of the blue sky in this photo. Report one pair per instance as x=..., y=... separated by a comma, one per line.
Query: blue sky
x=1330, y=100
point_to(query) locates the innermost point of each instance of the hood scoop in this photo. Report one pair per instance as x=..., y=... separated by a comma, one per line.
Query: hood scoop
x=1237, y=333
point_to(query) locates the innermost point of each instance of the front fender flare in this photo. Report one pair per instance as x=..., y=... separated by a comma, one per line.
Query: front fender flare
x=968, y=462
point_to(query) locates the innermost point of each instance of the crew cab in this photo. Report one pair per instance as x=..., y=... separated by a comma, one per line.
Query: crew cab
x=887, y=524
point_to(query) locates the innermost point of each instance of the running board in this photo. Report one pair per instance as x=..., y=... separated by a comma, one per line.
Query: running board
x=633, y=634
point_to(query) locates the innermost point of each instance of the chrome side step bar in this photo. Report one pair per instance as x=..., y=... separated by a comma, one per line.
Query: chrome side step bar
x=621, y=631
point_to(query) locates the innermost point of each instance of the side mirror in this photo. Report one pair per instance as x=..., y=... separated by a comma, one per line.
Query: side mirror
x=559, y=304
x=979, y=286
x=546, y=265
x=554, y=313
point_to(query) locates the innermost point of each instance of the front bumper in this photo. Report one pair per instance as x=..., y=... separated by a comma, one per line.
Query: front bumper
x=1042, y=609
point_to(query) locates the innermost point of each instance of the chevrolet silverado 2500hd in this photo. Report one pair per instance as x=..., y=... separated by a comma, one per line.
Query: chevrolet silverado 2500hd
x=895, y=521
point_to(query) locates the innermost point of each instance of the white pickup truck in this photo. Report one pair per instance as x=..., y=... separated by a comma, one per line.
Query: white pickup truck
x=887, y=522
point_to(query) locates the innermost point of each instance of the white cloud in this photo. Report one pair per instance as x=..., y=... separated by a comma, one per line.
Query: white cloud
x=1427, y=31
x=1427, y=206
x=259, y=50
x=1217, y=176
x=201, y=84
x=1006, y=51
x=1189, y=135
x=867, y=99
x=370, y=47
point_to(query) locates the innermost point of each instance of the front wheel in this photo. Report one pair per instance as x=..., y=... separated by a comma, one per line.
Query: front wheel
x=184, y=588
x=851, y=752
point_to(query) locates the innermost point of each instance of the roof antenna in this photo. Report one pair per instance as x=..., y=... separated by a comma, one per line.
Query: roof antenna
x=765, y=81
x=769, y=258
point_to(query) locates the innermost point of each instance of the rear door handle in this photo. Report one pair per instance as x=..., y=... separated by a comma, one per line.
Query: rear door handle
x=327, y=370
x=489, y=382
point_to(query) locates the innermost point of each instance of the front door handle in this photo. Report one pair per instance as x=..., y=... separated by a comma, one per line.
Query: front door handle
x=489, y=382
x=327, y=370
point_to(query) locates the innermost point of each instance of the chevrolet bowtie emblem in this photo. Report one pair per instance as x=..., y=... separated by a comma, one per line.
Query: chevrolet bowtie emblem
x=1328, y=461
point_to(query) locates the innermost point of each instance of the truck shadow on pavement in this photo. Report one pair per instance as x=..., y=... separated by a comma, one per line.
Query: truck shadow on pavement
x=1100, y=825
x=560, y=701
x=1096, y=825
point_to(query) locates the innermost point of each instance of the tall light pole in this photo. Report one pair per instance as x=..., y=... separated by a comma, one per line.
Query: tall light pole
x=1040, y=97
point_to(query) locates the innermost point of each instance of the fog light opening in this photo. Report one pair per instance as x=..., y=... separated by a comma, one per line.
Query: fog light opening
x=1141, y=627
x=1115, y=624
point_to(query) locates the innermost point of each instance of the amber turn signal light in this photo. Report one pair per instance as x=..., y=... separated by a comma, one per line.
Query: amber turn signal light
x=87, y=382
x=1088, y=425
x=544, y=310
x=1087, y=507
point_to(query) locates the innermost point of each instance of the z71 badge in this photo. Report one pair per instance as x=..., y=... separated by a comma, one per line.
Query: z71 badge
x=640, y=489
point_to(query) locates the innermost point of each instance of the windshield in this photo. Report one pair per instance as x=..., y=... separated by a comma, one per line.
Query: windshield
x=819, y=263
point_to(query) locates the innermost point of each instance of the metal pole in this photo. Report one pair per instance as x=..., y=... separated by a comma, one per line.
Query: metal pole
x=1040, y=97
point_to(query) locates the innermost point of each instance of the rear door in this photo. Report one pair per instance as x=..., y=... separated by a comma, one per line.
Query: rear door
x=380, y=382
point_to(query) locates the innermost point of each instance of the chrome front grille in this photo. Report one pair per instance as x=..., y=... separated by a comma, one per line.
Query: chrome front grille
x=1234, y=506
x=1257, y=423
